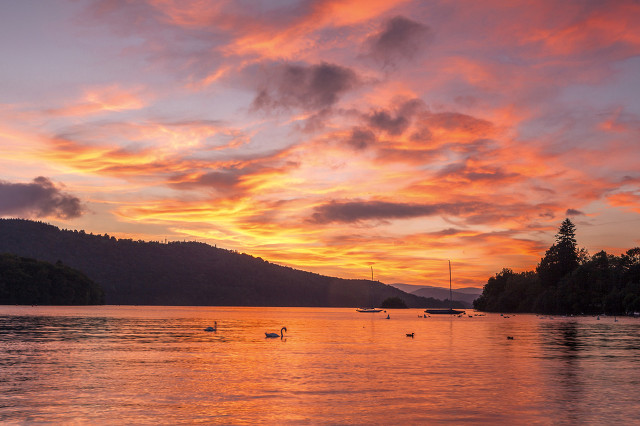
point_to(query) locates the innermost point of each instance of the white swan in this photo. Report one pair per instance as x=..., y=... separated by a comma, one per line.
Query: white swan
x=214, y=328
x=281, y=335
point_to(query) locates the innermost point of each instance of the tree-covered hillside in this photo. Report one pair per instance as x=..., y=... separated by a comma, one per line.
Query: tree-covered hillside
x=189, y=273
x=568, y=281
x=25, y=281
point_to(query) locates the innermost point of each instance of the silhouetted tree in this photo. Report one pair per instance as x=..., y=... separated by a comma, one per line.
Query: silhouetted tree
x=568, y=281
x=26, y=281
x=393, y=303
x=561, y=258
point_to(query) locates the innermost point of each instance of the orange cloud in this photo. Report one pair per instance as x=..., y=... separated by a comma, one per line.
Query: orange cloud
x=628, y=200
x=99, y=100
x=270, y=31
x=152, y=148
x=106, y=160
x=600, y=29
x=297, y=37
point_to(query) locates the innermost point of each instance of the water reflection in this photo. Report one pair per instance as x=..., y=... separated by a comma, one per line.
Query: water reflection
x=51, y=328
x=138, y=365
x=592, y=364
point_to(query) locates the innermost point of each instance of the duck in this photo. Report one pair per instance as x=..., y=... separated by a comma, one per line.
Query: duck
x=410, y=334
x=281, y=335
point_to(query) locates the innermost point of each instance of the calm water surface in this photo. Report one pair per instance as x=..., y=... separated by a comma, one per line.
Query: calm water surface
x=141, y=365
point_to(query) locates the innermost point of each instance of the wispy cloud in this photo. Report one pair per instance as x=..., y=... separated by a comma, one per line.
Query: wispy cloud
x=98, y=100
x=144, y=148
x=628, y=200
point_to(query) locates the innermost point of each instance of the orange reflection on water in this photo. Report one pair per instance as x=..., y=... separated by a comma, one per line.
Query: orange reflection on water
x=157, y=364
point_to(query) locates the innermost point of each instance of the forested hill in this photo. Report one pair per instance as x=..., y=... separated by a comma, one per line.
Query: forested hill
x=25, y=281
x=568, y=281
x=188, y=273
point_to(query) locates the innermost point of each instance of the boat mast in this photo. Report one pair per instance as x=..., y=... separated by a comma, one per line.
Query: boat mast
x=450, y=293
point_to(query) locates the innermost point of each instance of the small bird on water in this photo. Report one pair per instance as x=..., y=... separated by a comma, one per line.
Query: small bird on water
x=272, y=335
x=410, y=335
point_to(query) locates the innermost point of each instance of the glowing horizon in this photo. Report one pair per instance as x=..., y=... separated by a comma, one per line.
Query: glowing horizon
x=328, y=136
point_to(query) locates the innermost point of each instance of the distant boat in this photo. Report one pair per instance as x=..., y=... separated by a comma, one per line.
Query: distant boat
x=449, y=311
x=371, y=310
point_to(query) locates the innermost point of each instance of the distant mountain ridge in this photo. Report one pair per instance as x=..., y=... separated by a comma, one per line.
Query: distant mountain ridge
x=466, y=294
x=189, y=273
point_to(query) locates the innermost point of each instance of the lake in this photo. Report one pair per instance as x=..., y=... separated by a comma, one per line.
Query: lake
x=157, y=365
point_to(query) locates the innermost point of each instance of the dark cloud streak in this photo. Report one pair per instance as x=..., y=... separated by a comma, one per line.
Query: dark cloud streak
x=395, y=122
x=355, y=211
x=41, y=198
x=574, y=212
x=361, y=138
x=400, y=39
x=310, y=87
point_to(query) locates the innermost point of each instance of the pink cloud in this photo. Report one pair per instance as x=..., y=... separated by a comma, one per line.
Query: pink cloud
x=628, y=200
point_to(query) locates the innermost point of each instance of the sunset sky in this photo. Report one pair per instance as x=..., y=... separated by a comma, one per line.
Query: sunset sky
x=328, y=135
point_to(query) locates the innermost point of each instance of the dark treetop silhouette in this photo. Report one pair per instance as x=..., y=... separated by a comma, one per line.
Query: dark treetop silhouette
x=568, y=281
x=25, y=281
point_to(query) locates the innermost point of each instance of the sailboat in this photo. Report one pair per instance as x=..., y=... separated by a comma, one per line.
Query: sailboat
x=371, y=310
x=449, y=311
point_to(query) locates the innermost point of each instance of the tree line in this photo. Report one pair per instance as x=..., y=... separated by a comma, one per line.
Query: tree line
x=26, y=281
x=568, y=281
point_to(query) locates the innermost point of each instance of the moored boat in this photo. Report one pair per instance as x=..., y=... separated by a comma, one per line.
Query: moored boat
x=449, y=311
x=368, y=310
x=371, y=310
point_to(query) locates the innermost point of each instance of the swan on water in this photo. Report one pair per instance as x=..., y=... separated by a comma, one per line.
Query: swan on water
x=214, y=328
x=281, y=335
x=410, y=334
